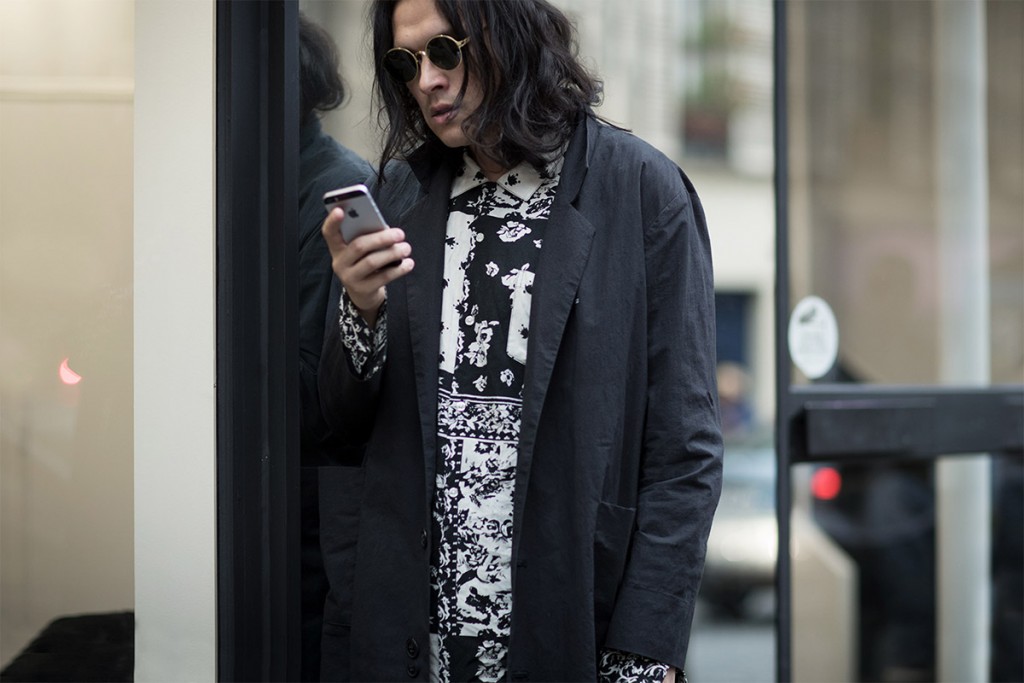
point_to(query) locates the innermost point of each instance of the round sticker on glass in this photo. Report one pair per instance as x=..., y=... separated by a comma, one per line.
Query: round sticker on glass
x=813, y=337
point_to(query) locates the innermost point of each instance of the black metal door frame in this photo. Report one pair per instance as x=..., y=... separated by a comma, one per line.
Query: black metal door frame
x=849, y=422
x=257, y=343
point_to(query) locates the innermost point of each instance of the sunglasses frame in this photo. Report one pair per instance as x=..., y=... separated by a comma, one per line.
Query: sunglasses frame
x=419, y=55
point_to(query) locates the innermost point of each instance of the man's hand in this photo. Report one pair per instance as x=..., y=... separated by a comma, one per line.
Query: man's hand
x=670, y=675
x=367, y=264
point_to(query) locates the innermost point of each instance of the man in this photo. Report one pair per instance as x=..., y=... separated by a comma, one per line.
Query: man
x=530, y=361
x=323, y=165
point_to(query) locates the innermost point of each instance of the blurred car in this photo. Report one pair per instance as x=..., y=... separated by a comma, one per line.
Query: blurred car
x=882, y=516
x=743, y=544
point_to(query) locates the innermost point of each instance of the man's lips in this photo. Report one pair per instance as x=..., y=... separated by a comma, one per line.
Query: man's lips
x=442, y=113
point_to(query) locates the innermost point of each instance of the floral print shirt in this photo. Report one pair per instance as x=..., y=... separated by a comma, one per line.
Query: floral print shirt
x=493, y=239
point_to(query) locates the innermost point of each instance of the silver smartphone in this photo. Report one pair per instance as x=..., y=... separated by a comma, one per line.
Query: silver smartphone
x=361, y=212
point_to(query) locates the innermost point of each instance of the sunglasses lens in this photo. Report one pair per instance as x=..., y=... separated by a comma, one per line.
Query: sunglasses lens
x=401, y=64
x=444, y=52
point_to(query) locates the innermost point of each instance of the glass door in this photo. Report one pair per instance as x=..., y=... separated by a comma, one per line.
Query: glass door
x=66, y=327
x=900, y=324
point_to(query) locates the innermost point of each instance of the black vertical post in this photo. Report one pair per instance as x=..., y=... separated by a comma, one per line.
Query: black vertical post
x=257, y=342
x=783, y=492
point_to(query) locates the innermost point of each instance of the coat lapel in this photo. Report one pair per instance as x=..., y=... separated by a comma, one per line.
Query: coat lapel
x=424, y=225
x=567, y=241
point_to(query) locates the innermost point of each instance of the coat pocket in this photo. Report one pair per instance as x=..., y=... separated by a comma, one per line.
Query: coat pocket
x=336, y=653
x=341, y=495
x=612, y=534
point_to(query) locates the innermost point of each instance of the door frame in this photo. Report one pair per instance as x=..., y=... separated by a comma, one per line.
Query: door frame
x=258, y=592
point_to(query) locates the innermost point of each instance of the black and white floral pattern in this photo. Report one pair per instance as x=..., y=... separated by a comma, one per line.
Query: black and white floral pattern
x=624, y=667
x=365, y=345
x=493, y=239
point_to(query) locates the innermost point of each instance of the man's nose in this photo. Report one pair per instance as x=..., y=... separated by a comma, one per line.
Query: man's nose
x=431, y=77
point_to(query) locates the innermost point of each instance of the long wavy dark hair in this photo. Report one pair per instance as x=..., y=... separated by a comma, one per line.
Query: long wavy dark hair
x=527, y=65
x=320, y=86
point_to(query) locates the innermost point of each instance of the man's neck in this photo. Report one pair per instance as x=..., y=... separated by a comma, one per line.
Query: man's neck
x=491, y=169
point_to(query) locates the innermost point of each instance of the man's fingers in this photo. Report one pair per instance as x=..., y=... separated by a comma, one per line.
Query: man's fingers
x=369, y=253
x=378, y=268
x=375, y=241
x=368, y=292
x=331, y=230
x=386, y=275
x=383, y=258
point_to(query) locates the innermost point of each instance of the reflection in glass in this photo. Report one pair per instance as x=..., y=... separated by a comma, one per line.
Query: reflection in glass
x=66, y=358
x=883, y=166
x=882, y=517
x=865, y=149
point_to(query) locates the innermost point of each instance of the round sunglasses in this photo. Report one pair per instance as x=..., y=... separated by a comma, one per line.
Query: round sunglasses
x=443, y=51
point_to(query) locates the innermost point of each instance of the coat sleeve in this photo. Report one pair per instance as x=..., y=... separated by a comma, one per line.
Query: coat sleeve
x=681, y=462
x=348, y=399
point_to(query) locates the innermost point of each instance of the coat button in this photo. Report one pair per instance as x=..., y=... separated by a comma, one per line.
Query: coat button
x=423, y=538
x=412, y=648
x=412, y=670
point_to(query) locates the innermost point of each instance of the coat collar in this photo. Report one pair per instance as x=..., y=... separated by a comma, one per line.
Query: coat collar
x=577, y=157
x=426, y=160
x=522, y=182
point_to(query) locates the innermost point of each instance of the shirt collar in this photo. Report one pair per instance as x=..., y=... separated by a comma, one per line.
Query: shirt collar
x=523, y=181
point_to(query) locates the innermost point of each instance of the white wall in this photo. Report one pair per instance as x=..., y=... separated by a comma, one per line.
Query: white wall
x=741, y=219
x=175, y=342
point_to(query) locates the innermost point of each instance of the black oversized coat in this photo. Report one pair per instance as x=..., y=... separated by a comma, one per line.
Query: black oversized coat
x=619, y=463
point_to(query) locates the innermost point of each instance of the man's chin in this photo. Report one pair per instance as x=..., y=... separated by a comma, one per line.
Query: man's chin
x=450, y=134
x=453, y=140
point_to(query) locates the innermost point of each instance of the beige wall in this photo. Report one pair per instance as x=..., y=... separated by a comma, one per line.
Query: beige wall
x=65, y=292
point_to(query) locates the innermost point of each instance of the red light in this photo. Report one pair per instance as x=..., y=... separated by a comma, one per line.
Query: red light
x=67, y=375
x=826, y=483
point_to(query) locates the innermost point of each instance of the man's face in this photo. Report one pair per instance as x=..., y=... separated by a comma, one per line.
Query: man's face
x=435, y=90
